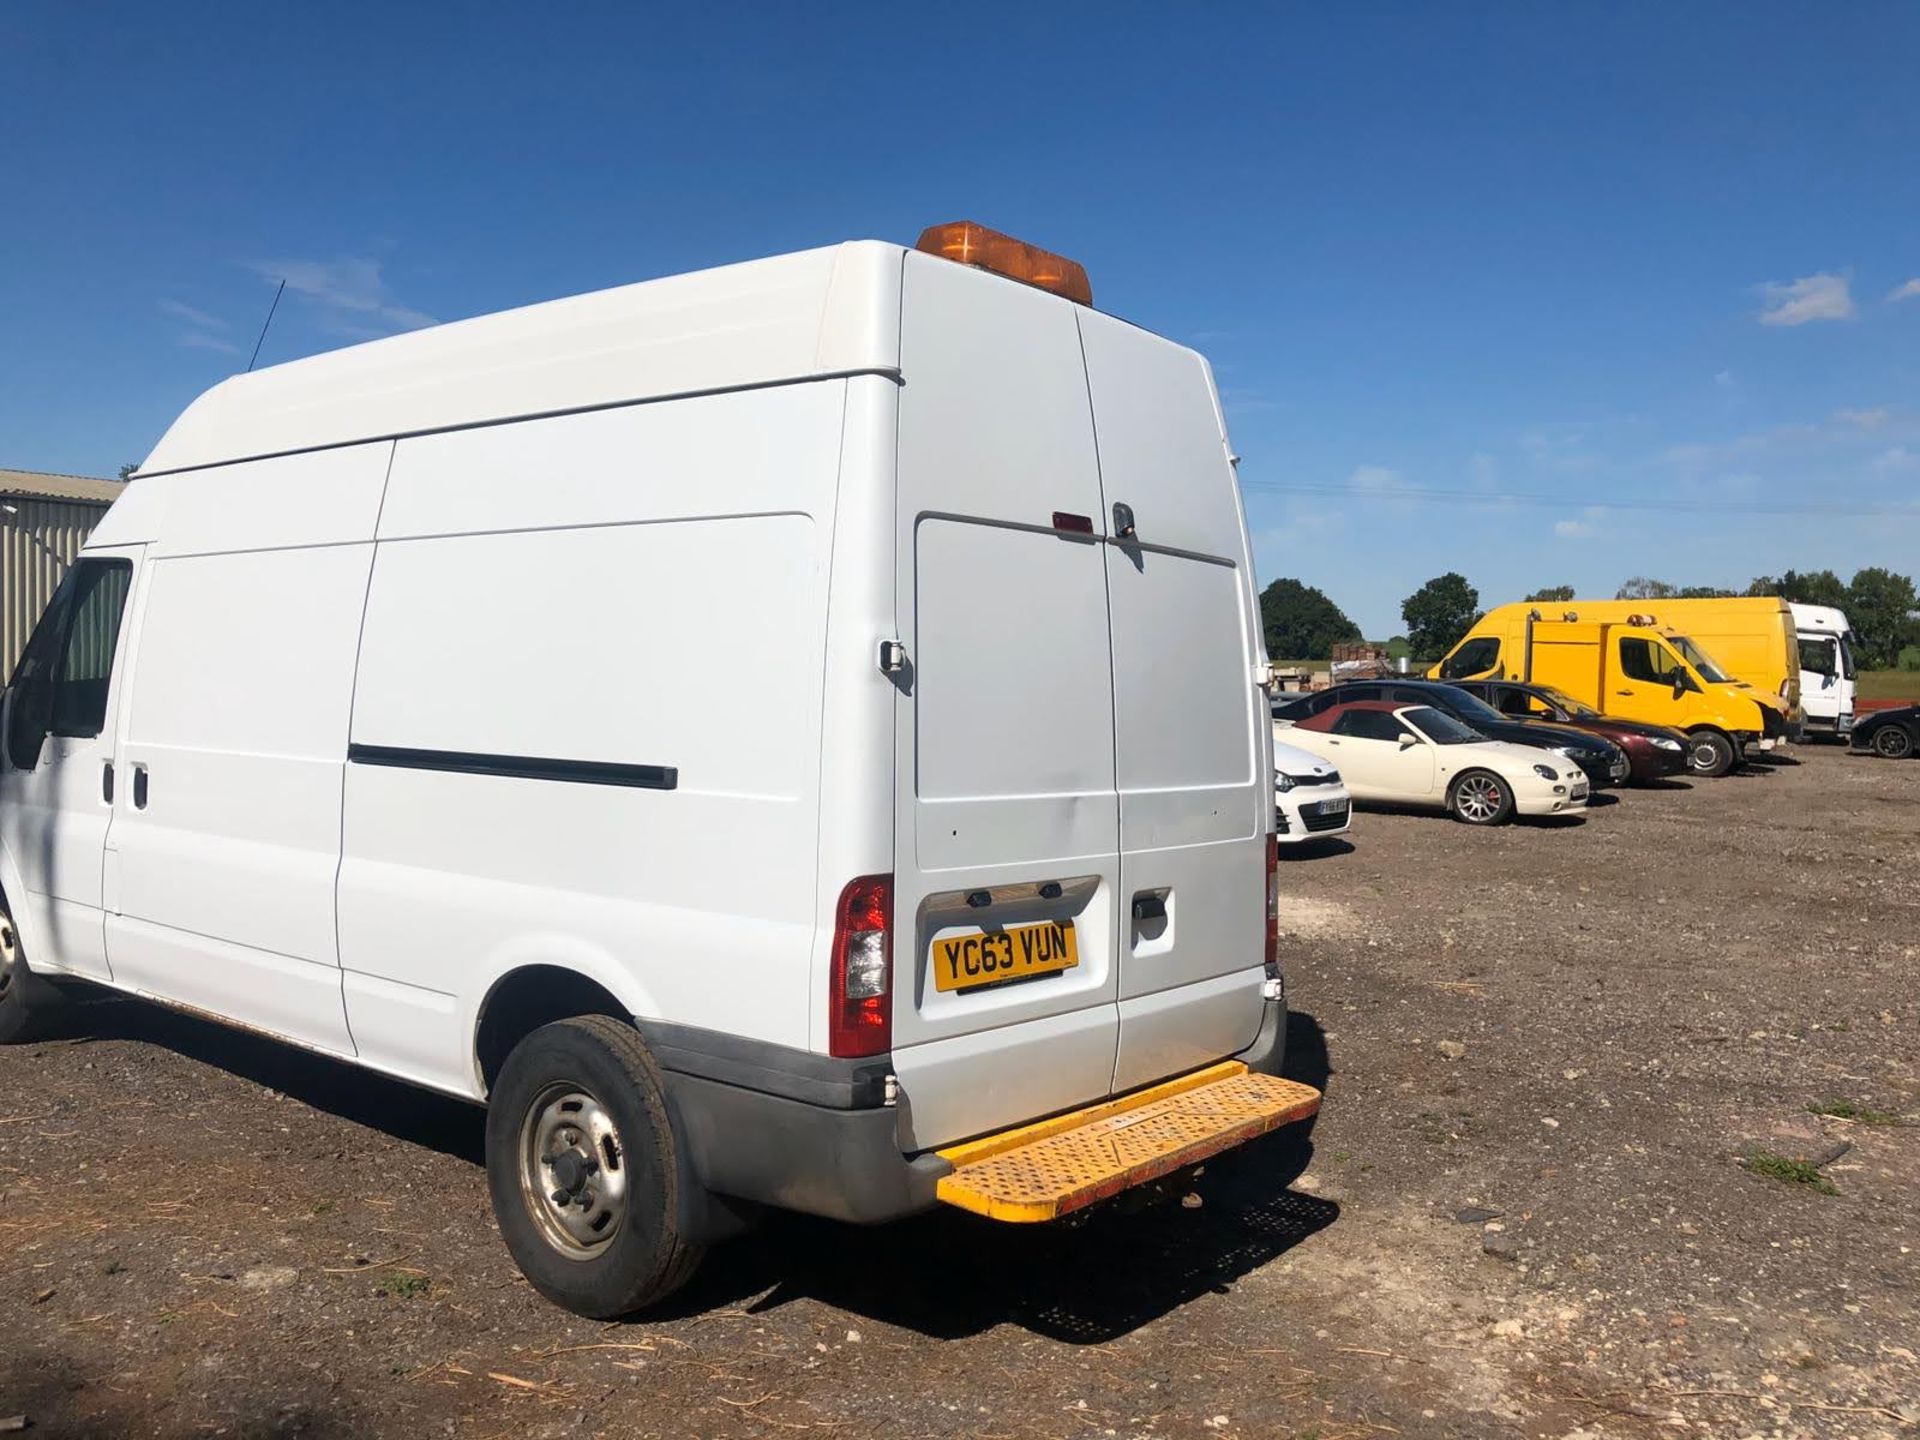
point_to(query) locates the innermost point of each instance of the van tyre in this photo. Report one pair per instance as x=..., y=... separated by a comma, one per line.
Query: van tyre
x=1480, y=797
x=587, y=1183
x=26, y=1000
x=1893, y=742
x=1710, y=754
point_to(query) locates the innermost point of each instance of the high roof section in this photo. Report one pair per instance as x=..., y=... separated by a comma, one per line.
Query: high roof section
x=805, y=316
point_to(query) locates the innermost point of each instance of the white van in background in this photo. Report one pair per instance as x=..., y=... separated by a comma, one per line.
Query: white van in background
x=1827, y=669
x=410, y=706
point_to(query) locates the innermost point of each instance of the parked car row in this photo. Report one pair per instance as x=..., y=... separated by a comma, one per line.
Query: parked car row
x=1533, y=751
x=1724, y=673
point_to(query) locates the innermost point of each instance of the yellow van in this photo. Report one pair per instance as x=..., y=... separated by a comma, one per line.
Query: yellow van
x=1629, y=665
x=1754, y=641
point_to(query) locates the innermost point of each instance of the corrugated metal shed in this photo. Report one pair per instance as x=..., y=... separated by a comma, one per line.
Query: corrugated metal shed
x=44, y=520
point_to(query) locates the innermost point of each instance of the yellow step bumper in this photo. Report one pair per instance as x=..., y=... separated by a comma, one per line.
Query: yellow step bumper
x=1054, y=1167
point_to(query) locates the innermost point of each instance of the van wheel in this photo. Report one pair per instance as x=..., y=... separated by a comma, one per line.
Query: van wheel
x=586, y=1180
x=1893, y=742
x=1709, y=753
x=1480, y=797
x=26, y=1001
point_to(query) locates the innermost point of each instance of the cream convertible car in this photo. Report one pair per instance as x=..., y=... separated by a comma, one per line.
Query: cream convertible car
x=1416, y=755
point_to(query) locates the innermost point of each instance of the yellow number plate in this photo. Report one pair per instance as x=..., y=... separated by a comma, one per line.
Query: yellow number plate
x=961, y=962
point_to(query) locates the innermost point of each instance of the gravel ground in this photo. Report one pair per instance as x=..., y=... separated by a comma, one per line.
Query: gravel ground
x=1523, y=1212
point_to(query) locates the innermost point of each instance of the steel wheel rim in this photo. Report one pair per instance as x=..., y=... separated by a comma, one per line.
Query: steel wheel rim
x=1478, y=798
x=1893, y=743
x=9, y=955
x=1703, y=755
x=573, y=1171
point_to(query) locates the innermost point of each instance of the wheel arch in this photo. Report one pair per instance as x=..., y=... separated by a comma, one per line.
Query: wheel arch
x=522, y=999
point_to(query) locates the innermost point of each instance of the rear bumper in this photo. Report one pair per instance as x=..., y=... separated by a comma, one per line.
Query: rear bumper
x=773, y=1126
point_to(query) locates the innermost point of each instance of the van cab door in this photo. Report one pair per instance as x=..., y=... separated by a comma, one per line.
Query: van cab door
x=1006, y=863
x=58, y=778
x=1190, y=731
x=1640, y=685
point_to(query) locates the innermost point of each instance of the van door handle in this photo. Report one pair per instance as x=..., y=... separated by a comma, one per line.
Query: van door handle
x=139, y=787
x=1623, y=692
x=106, y=782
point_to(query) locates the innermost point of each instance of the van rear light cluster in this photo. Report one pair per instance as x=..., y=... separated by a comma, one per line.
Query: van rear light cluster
x=860, y=987
x=1273, y=907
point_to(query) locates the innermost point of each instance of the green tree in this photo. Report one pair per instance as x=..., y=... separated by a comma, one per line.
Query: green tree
x=1552, y=595
x=1703, y=592
x=1645, y=587
x=1301, y=623
x=1815, y=587
x=1880, y=607
x=126, y=470
x=1439, y=613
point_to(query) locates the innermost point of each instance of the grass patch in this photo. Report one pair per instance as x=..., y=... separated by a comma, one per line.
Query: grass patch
x=1847, y=1110
x=1785, y=1167
x=1889, y=684
x=407, y=1287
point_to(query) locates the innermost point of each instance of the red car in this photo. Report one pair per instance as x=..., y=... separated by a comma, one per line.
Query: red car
x=1653, y=751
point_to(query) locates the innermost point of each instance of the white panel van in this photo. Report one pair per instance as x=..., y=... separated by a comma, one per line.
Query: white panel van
x=1828, y=683
x=790, y=735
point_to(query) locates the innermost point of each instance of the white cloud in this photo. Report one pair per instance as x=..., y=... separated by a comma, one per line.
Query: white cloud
x=1866, y=419
x=1897, y=460
x=1483, y=471
x=1724, y=379
x=1812, y=297
x=199, y=318
x=1375, y=478
x=1908, y=291
x=1586, y=525
x=350, y=295
x=199, y=340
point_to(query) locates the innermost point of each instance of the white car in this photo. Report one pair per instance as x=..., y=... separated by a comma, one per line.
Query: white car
x=1310, y=801
x=1417, y=755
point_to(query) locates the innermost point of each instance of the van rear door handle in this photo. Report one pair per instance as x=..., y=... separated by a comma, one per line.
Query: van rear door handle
x=106, y=782
x=139, y=787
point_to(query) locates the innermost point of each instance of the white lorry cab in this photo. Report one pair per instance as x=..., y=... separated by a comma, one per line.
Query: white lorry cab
x=1827, y=669
x=411, y=706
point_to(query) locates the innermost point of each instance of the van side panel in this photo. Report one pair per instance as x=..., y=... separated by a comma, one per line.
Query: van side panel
x=641, y=588
x=222, y=881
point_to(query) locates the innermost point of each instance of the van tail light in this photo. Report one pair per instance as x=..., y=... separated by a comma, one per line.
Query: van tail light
x=1273, y=907
x=860, y=988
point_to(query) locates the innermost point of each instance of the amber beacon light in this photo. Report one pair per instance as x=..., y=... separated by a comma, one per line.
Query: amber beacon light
x=972, y=244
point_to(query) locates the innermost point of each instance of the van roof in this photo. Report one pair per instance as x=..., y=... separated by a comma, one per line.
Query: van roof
x=805, y=316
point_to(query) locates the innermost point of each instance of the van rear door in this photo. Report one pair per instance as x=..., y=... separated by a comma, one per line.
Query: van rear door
x=1191, y=742
x=1007, y=823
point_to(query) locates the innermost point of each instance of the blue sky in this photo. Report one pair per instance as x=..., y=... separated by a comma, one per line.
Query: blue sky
x=1441, y=256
